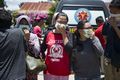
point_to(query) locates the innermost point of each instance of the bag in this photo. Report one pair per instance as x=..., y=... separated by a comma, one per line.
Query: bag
x=35, y=65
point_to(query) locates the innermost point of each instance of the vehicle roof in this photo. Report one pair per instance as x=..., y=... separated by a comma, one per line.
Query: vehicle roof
x=95, y=3
x=99, y=2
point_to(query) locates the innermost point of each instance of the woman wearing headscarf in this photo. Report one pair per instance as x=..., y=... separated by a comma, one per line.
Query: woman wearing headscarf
x=23, y=21
x=32, y=42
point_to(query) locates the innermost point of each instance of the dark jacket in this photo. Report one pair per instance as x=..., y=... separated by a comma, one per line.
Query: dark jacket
x=12, y=55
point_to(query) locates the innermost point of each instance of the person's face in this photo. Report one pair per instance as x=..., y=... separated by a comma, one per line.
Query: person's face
x=114, y=20
x=23, y=22
x=62, y=20
x=114, y=10
x=87, y=31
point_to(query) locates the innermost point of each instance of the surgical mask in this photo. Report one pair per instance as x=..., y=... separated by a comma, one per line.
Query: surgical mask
x=24, y=26
x=114, y=15
x=60, y=25
x=88, y=33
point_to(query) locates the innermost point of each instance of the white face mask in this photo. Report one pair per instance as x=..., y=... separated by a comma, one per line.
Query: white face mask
x=114, y=15
x=24, y=26
x=60, y=25
x=88, y=33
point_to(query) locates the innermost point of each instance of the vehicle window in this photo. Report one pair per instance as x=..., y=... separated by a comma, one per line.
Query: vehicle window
x=80, y=13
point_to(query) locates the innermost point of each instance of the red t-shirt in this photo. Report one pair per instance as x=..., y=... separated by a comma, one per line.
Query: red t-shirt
x=57, y=59
x=98, y=33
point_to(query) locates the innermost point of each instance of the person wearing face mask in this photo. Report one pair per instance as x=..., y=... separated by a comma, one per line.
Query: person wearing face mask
x=87, y=51
x=111, y=32
x=32, y=42
x=23, y=21
x=58, y=48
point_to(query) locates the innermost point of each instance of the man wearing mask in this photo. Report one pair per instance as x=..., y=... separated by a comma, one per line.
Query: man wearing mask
x=111, y=32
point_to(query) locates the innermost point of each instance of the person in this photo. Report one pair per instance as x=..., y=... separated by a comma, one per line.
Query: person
x=12, y=50
x=98, y=31
x=87, y=51
x=111, y=32
x=23, y=23
x=39, y=24
x=57, y=43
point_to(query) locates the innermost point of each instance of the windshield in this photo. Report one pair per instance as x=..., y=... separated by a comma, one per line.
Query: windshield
x=75, y=14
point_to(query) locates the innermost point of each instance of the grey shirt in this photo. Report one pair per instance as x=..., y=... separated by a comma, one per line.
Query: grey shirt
x=86, y=58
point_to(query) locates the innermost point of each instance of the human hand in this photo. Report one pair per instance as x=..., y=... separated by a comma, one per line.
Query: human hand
x=62, y=29
x=26, y=34
x=91, y=33
x=112, y=21
x=107, y=61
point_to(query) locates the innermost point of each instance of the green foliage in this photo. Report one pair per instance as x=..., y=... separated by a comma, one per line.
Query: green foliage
x=1, y=3
x=52, y=10
x=15, y=13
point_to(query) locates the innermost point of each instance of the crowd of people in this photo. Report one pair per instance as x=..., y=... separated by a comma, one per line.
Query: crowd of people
x=86, y=53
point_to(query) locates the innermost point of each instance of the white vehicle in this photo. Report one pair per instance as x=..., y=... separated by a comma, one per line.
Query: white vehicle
x=82, y=10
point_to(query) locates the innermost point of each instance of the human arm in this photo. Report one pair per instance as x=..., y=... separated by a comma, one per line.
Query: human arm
x=67, y=40
x=97, y=47
x=44, y=46
x=34, y=44
x=105, y=31
x=113, y=22
x=99, y=52
x=32, y=41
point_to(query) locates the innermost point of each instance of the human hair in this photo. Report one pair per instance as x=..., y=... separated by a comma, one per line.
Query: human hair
x=54, y=17
x=61, y=14
x=2, y=3
x=99, y=20
x=25, y=21
x=115, y=4
x=5, y=19
x=80, y=25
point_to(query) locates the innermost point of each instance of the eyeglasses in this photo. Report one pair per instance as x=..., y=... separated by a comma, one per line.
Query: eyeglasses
x=62, y=20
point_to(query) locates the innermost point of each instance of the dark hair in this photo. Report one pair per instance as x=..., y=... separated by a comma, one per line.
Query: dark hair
x=61, y=14
x=5, y=19
x=76, y=37
x=2, y=3
x=81, y=24
x=99, y=19
x=115, y=4
x=25, y=20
